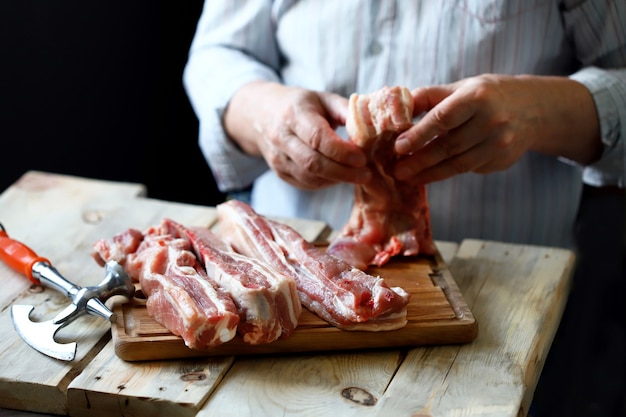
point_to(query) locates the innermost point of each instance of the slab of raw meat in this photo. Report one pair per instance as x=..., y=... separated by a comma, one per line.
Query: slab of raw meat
x=267, y=298
x=389, y=217
x=179, y=294
x=344, y=296
x=118, y=248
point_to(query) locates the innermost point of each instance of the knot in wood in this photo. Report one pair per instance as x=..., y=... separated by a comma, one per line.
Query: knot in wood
x=93, y=216
x=359, y=396
x=193, y=376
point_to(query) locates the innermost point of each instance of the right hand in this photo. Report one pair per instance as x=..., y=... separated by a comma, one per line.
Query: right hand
x=293, y=129
x=486, y=123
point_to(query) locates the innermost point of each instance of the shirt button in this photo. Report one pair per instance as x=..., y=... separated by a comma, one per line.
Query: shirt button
x=375, y=48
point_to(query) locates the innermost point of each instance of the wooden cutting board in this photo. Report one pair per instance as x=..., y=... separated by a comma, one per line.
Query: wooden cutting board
x=437, y=314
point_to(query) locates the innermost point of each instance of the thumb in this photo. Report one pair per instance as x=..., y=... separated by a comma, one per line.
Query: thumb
x=426, y=98
x=451, y=111
x=336, y=108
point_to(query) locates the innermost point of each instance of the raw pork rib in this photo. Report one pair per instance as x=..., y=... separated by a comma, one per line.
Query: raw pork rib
x=389, y=217
x=266, y=298
x=342, y=295
x=179, y=295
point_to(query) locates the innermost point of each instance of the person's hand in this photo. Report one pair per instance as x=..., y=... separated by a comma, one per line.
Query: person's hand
x=486, y=123
x=293, y=129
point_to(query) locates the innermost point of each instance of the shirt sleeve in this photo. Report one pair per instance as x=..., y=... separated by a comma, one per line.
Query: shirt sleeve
x=598, y=30
x=609, y=93
x=234, y=44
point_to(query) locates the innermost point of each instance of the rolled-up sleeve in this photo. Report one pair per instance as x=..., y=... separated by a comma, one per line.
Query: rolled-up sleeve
x=598, y=30
x=234, y=44
x=609, y=92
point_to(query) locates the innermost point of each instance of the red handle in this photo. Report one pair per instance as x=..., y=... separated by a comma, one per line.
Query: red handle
x=19, y=256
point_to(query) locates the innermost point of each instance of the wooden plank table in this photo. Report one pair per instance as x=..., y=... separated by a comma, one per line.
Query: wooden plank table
x=516, y=293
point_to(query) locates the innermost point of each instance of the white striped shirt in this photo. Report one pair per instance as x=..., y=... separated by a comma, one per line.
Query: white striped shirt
x=359, y=46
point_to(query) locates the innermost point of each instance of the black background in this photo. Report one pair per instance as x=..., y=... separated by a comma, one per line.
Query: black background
x=94, y=89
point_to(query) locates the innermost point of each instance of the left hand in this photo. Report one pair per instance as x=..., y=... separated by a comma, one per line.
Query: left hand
x=486, y=123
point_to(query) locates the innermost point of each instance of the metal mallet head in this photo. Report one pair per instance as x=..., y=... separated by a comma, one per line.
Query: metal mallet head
x=90, y=300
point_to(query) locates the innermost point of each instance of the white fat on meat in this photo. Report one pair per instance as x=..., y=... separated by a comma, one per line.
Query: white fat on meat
x=386, y=110
x=344, y=296
x=179, y=295
x=162, y=257
x=267, y=298
x=389, y=217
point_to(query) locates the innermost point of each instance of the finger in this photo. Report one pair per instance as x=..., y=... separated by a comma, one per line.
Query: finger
x=301, y=178
x=319, y=136
x=289, y=171
x=449, y=113
x=441, y=148
x=483, y=158
x=305, y=184
x=336, y=107
x=425, y=98
x=316, y=128
x=308, y=165
x=469, y=161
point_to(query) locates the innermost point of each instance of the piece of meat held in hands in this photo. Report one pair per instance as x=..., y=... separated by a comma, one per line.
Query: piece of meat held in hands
x=389, y=217
x=266, y=298
x=344, y=296
x=179, y=294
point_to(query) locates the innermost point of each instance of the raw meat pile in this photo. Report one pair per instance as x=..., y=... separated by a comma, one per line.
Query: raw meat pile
x=389, y=217
x=200, y=290
x=252, y=279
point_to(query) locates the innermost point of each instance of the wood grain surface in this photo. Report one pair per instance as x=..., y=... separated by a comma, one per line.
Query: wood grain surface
x=515, y=292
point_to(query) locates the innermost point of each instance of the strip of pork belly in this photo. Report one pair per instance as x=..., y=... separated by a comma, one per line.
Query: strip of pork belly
x=389, y=217
x=179, y=295
x=342, y=295
x=266, y=297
